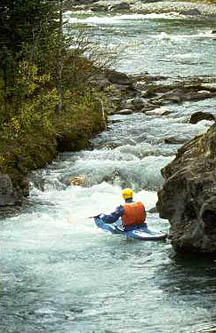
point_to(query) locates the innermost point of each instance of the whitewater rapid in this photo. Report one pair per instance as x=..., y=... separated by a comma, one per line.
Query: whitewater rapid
x=59, y=273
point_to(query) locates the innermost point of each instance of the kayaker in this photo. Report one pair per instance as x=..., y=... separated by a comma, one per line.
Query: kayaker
x=132, y=213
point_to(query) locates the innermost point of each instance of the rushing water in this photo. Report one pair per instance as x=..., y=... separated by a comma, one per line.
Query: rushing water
x=158, y=43
x=59, y=273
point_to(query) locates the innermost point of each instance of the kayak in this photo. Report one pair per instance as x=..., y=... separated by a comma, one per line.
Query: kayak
x=141, y=233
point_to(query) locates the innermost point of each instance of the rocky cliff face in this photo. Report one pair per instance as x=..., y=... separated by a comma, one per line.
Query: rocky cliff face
x=188, y=197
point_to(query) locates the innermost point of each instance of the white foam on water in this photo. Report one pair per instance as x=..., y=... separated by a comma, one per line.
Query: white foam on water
x=167, y=16
x=181, y=37
x=184, y=56
x=115, y=19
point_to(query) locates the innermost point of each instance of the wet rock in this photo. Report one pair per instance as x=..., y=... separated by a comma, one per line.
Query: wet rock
x=98, y=8
x=110, y=145
x=37, y=181
x=209, y=86
x=127, y=104
x=188, y=196
x=198, y=95
x=125, y=111
x=76, y=180
x=153, y=210
x=136, y=104
x=111, y=178
x=119, y=78
x=8, y=194
x=119, y=6
x=198, y=116
x=147, y=93
x=139, y=103
x=173, y=140
x=191, y=12
x=158, y=112
x=174, y=96
x=80, y=2
x=185, y=93
x=140, y=85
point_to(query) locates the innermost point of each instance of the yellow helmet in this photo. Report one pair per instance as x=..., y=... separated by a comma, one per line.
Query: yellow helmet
x=127, y=193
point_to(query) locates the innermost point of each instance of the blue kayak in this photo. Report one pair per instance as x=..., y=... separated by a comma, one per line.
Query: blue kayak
x=141, y=233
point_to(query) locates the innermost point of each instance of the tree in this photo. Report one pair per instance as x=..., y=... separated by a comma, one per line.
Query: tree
x=27, y=29
x=60, y=57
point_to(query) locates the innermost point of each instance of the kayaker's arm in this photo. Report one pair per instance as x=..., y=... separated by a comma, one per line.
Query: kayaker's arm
x=114, y=216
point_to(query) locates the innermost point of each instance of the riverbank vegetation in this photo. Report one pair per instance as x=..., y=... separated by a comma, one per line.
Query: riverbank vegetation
x=46, y=102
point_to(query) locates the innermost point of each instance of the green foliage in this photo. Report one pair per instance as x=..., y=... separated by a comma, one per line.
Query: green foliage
x=31, y=129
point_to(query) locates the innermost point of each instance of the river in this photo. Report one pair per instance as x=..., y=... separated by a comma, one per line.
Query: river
x=59, y=273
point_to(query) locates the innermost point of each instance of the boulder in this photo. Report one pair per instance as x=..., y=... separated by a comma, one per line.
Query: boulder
x=8, y=194
x=119, y=78
x=185, y=94
x=198, y=95
x=119, y=6
x=188, y=196
x=191, y=12
x=139, y=103
x=158, y=112
x=136, y=104
x=198, y=116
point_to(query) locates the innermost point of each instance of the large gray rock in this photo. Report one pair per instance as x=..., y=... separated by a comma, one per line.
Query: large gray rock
x=188, y=197
x=119, y=78
x=8, y=195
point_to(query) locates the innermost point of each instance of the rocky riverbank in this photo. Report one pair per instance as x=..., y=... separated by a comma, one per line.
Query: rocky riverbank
x=126, y=94
x=145, y=7
x=188, y=197
x=21, y=151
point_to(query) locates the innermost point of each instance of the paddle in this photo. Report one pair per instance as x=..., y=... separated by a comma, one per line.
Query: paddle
x=93, y=217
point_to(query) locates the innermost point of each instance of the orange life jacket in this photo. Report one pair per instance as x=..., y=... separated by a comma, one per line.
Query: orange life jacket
x=133, y=214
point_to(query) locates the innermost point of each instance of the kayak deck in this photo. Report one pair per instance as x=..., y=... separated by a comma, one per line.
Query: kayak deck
x=141, y=233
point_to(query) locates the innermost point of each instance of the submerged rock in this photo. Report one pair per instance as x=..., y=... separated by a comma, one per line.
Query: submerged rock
x=188, y=197
x=76, y=180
